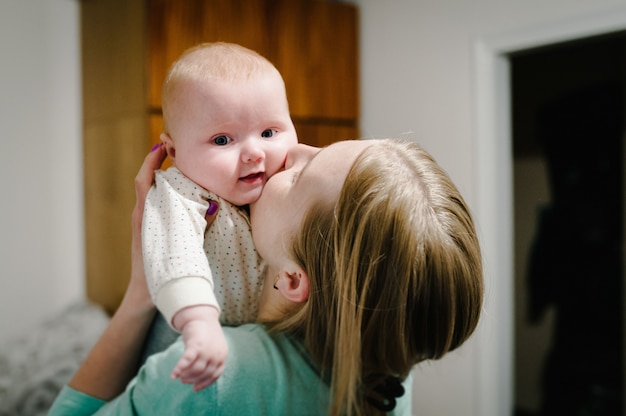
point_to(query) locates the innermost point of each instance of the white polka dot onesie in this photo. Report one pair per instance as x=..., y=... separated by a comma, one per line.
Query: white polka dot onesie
x=186, y=266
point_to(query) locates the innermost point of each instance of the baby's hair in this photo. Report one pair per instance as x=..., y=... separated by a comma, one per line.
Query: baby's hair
x=205, y=62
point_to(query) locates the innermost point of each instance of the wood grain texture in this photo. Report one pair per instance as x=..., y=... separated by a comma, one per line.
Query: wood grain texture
x=127, y=48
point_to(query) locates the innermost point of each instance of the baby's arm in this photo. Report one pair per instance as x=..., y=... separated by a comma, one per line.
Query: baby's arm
x=179, y=274
x=206, y=349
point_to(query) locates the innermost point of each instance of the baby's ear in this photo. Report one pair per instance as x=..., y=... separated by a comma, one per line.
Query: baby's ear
x=169, y=146
x=293, y=284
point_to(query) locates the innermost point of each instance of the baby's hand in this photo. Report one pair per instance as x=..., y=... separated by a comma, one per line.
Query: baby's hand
x=206, y=349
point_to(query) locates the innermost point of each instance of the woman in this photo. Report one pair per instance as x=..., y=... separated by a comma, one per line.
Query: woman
x=374, y=266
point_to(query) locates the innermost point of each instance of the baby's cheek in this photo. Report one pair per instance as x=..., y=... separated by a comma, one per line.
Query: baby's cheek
x=273, y=166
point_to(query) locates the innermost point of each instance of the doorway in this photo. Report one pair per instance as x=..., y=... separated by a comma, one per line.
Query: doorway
x=567, y=129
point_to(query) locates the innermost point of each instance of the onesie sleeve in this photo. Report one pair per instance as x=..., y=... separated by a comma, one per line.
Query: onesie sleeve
x=176, y=266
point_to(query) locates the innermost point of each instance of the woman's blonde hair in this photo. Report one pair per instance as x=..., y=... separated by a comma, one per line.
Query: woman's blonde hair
x=395, y=274
x=209, y=61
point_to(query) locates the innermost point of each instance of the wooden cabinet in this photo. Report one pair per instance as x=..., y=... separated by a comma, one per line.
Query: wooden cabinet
x=127, y=47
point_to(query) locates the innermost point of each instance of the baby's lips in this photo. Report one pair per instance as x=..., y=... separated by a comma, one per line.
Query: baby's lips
x=253, y=177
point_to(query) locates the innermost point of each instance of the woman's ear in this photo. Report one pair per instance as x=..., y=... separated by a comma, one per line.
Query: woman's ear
x=293, y=285
x=169, y=146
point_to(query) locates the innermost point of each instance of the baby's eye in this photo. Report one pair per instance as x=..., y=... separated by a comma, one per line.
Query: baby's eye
x=222, y=140
x=268, y=133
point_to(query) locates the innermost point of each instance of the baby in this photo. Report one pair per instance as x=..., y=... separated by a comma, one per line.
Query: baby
x=227, y=129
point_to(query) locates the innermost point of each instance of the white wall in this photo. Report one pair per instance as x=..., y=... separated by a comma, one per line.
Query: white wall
x=41, y=214
x=420, y=66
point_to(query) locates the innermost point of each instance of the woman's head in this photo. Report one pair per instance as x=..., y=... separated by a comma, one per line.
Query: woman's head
x=393, y=268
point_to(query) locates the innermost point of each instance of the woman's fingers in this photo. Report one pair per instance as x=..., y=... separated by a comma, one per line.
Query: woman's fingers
x=145, y=177
x=143, y=182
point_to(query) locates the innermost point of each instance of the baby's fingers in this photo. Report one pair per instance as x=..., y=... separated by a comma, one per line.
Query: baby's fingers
x=201, y=380
x=212, y=378
x=199, y=370
x=185, y=362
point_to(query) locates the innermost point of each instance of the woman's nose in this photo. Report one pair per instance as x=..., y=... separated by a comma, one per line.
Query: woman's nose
x=300, y=153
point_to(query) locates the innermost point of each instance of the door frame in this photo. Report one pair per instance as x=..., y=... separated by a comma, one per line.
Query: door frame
x=494, y=185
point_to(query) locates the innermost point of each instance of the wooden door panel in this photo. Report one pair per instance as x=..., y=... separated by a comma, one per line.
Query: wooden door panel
x=316, y=51
x=113, y=153
x=175, y=26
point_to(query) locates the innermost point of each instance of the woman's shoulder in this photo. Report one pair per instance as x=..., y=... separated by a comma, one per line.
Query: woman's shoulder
x=280, y=353
x=270, y=373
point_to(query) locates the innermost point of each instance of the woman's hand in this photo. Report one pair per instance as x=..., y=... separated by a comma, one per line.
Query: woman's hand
x=137, y=288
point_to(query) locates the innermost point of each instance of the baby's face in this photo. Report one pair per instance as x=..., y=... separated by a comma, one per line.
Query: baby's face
x=231, y=137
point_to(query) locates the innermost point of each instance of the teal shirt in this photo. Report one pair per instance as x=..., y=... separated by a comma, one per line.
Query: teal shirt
x=264, y=375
